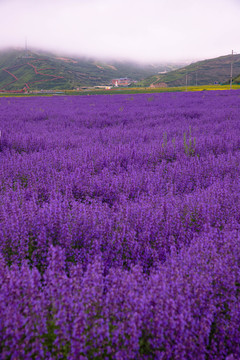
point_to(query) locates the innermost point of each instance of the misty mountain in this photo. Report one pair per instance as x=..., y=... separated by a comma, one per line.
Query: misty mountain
x=206, y=72
x=33, y=70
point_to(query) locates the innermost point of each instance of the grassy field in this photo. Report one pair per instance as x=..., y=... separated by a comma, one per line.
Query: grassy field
x=152, y=90
x=130, y=90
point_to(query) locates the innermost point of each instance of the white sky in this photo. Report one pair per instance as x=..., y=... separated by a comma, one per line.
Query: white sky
x=143, y=30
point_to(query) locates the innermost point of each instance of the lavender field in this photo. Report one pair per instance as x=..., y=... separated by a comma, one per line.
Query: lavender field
x=119, y=227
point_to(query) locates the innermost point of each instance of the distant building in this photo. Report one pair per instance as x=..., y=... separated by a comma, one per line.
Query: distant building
x=121, y=82
x=105, y=87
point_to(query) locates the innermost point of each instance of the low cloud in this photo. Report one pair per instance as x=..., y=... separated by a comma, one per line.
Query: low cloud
x=139, y=30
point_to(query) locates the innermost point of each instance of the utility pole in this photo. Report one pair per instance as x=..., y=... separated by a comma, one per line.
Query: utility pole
x=186, y=81
x=231, y=72
x=196, y=78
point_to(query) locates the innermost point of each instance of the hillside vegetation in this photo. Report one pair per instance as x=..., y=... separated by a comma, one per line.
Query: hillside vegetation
x=205, y=72
x=40, y=70
x=236, y=80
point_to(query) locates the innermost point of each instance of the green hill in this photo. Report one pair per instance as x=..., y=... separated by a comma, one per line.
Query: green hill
x=36, y=70
x=205, y=72
x=236, y=80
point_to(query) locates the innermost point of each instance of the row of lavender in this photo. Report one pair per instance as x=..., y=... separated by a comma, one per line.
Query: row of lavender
x=119, y=227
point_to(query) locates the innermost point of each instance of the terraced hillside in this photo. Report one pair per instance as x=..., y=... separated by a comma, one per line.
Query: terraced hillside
x=40, y=70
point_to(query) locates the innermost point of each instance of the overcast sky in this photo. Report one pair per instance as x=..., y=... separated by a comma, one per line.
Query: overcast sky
x=143, y=30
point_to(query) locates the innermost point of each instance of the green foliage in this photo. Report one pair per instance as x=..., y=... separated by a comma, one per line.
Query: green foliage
x=145, y=347
x=50, y=336
x=189, y=144
x=49, y=339
x=174, y=143
x=164, y=144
